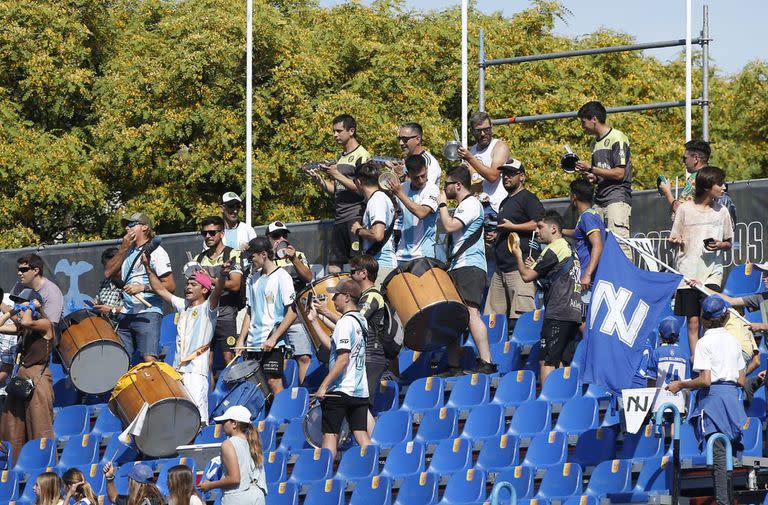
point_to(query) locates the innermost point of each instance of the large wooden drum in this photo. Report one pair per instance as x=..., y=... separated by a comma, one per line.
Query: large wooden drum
x=319, y=290
x=92, y=352
x=428, y=304
x=172, y=418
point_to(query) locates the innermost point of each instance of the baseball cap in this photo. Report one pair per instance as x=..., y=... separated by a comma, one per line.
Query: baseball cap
x=512, y=166
x=235, y=413
x=276, y=226
x=27, y=295
x=230, y=196
x=669, y=328
x=139, y=217
x=257, y=245
x=141, y=473
x=346, y=287
x=714, y=306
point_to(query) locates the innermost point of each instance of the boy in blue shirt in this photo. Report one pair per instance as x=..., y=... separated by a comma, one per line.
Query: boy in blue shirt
x=668, y=362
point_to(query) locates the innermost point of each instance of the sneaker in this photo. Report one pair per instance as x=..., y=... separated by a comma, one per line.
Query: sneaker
x=484, y=367
x=451, y=371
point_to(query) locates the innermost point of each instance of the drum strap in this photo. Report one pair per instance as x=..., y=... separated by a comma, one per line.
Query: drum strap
x=469, y=242
x=194, y=354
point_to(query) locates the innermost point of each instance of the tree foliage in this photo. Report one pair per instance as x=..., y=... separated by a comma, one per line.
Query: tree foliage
x=107, y=107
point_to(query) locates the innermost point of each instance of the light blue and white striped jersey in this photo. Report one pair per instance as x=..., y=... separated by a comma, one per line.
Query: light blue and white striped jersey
x=160, y=263
x=237, y=236
x=348, y=335
x=469, y=212
x=418, y=235
x=268, y=298
x=195, y=329
x=380, y=209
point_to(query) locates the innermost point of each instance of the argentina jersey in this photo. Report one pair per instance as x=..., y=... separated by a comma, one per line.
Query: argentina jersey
x=418, y=235
x=269, y=297
x=380, y=209
x=348, y=335
x=134, y=272
x=470, y=213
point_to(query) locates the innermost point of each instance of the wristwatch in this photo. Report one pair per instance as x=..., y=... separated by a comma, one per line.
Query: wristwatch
x=441, y=205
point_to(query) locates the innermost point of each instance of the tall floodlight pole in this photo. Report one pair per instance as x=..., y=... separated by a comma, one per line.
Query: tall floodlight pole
x=464, y=70
x=688, y=86
x=248, y=108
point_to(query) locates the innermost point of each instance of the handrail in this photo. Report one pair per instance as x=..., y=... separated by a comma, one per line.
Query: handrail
x=497, y=489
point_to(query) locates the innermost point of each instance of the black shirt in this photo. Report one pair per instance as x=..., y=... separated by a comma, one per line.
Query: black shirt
x=519, y=208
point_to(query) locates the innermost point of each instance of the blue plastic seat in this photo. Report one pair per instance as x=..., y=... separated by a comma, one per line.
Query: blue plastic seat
x=655, y=479
x=484, y=421
x=465, y=487
x=515, y=388
x=267, y=433
x=313, y=465
x=404, y=460
x=330, y=492
x=275, y=466
x=358, y=463
x=71, y=421
x=387, y=397
x=118, y=452
x=107, y=424
x=506, y=355
x=121, y=475
x=94, y=475
x=527, y=330
x=57, y=371
x=560, y=482
x=424, y=394
x=289, y=404
x=609, y=477
x=532, y=360
x=392, y=427
x=752, y=438
x=595, y=446
x=738, y=283
x=212, y=434
x=293, y=439
x=437, y=425
x=581, y=500
x=64, y=393
x=578, y=354
x=470, y=391
x=521, y=478
x=451, y=456
x=578, y=415
x=375, y=490
x=5, y=455
x=420, y=488
x=168, y=331
x=413, y=365
x=162, y=477
x=546, y=450
x=9, y=486
x=498, y=453
x=79, y=451
x=757, y=406
x=28, y=494
x=290, y=374
x=283, y=493
x=561, y=385
x=496, y=326
x=644, y=444
x=36, y=454
x=531, y=418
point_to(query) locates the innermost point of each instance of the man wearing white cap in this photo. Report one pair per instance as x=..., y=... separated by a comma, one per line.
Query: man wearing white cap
x=236, y=232
x=197, y=320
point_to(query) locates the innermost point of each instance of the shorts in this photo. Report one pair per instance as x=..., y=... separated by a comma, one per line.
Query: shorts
x=271, y=362
x=373, y=372
x=225, y=333
x=198, y=388
x=143, y=329
x=8, y=349
x=344, y=243
x=555, y=345
x=470, y=282
x=688, y=301
x=337, y=406
x=509, y=294
x=298, y=339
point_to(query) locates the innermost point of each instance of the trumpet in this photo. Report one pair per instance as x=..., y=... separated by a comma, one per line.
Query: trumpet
x=315, y=165
x=451, y=148
x=568, y=161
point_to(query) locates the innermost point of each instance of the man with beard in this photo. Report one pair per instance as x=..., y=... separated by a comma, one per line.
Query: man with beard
x=410, y=140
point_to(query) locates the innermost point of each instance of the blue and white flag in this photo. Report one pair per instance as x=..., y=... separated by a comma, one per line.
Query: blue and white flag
x=626, y=304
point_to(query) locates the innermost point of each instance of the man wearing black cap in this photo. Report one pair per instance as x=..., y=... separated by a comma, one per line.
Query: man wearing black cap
x=718, y=409
x=518, y=213
x=269, y=311
x=236, y=233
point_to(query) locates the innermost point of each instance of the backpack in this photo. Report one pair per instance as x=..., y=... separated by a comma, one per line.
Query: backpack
x=245, y=393
x=241, y=298
x=392, y=339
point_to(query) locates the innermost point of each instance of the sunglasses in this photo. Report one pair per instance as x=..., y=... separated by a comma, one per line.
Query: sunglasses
x=24, y=269
x=233, y=207
x=448, y=183
x=209, y=233
x=131, y=224
x=403, y=138
x=487, y=129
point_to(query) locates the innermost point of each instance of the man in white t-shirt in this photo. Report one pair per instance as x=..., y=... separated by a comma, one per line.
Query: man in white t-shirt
x=485, y=158
x=197, y=311
x=718, y=407
x=410, y=138
x=376, y=230
x=236, y=232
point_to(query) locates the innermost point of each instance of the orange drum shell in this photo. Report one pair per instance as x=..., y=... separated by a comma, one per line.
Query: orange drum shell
x=149, y=384
x=78, y=335
x=319, y=287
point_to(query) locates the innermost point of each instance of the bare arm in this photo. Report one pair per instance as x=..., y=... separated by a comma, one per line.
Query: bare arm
x=114, y=264
x=527, y=273
x=375, y=233
x=754, y=363
x=499, y=156
x=155, y=283
x=417, y=209
x=342, y=360
x=221, y=282
x=302, y=270
x=279, y=332
x=507, y=225
x=243, y=331
x=342, y=179
x=596, y=241
x=702, y=381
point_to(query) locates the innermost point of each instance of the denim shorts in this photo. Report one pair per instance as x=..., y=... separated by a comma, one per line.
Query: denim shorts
x=298, y=339
x=8, y=348
x=140, y=332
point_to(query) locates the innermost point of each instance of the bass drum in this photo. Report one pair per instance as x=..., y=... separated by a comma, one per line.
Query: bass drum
x=92, y=352
x=250, y=371
x=319, y=290
x=428, y=304
x=171, y=418
x=313, y=427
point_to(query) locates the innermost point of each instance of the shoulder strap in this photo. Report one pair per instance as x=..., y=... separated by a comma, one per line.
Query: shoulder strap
x=200, y=257
x=378, y=246
x=227, y=252
x=469, y=242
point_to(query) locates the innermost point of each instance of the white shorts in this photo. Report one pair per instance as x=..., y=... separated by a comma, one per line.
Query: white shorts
x=197, y=385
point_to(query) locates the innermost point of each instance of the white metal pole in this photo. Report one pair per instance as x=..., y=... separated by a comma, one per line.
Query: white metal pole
x=688, y=78
x=248, y=108
x=464, y=71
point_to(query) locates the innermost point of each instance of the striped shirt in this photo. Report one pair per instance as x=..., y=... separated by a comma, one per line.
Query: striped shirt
x=470, y=213
x=195, y=329
x=418, y=235
x=348, y=336
x=160, y=263
x=380, y=209
x=268, y=298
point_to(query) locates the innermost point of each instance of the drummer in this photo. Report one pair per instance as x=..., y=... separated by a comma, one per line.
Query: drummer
x=344, y=391
x=269, y=312
x=417, y=199
x=466, y=262
x=195, y=327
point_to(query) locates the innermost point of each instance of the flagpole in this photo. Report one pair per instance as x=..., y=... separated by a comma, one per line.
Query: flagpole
x=704, y=290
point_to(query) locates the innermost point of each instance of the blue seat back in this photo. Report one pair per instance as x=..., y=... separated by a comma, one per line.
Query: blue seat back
x=516, y=388
x=313, y=465
x=485, y=421
x=283, y=493
x=404, y=459
x=275, y=467
x=498, y=453
x=359, y=463
x=36, y=454
x=506, y=355
x=328, y=492
x=561, y=481
x=644, y=444
x=613, y=476
x=469, y=391
x=595, y=446
x=547, y=449
x=424, y=394
x=521, y=478
x=561, y=385
x=420, y=488
x=467, y=486
x=528, y=328
x=578, y=415
x=453, y=455
x=375, y=490
x=387, y=397
x=437, y=425
x=79, y=451
x=289, y=404
x=392, y=427
x=531, y=418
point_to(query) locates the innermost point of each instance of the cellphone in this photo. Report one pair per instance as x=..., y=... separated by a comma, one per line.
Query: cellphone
x=708, y=241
